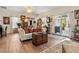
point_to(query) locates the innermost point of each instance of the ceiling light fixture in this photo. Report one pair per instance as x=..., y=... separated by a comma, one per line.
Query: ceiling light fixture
x=29, y=9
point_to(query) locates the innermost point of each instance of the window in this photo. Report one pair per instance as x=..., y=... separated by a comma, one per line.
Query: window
x=15, y=20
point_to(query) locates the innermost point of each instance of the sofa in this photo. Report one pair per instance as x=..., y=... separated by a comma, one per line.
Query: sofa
x=24, y=36
x=63, y=47
x=70, y=47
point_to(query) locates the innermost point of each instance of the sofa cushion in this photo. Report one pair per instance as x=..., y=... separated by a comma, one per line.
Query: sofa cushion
x=71, y=47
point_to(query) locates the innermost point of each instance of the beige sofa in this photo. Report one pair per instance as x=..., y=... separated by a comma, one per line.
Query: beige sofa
x=23, y=36
x=70, y=47
x=63, y=47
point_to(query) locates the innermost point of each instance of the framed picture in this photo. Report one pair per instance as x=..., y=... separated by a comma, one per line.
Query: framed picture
x=6, y=20
x=76, y=14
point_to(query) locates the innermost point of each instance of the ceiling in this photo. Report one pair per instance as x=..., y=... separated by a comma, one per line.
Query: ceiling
x=35, y=9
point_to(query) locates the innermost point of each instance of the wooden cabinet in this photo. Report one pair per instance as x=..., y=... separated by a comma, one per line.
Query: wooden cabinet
x=39, y=38
x=45, y=37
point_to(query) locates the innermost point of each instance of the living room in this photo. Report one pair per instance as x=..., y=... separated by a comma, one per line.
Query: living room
x=36, y=29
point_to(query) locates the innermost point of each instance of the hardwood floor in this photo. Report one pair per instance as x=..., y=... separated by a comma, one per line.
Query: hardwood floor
x=12, y=44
